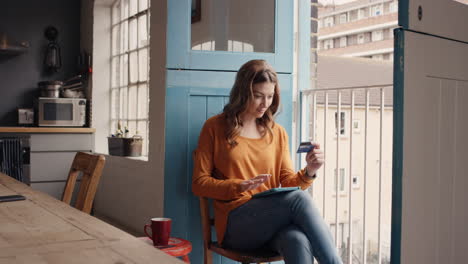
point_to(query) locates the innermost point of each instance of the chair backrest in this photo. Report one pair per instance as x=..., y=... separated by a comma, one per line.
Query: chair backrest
x=90, y=165
x=210, y=246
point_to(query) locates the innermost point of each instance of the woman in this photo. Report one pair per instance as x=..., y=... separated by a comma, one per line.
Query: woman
x=241, y=152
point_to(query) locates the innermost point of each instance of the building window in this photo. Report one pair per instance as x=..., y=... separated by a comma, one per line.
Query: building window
x=356, y=126
x=360, y=38
x=376, y=10
x=355, y=182
x=341, y=123
x=343, y=42
x=343, y=18
x=342, y=234
x=328, y=44
x=352, y=40
x=341, y=181
x=393, y=7
x=363, y=13
x=377, y=35
x=329, y=21
x=129, y=68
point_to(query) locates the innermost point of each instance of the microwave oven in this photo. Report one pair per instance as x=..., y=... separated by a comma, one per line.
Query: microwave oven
x=63, y=112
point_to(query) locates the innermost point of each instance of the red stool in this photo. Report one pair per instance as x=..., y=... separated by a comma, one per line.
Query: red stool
x=177, y=247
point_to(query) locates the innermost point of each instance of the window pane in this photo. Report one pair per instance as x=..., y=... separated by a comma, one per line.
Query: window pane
x=142, y=31
x=116, y=13
x=133, y=7
x=132, y=127
x=249, y=25
x=115, y=40
x=115, y=72
x=123, y=70
x=142, y=5
x=115, y=103
x=133, y=67
x=123, y=104
x=143, y=64
x=143, y=132
x=133, y=34
x=143, y=101
x=124, y=10
x=124, y=37
x=113, y=127
x=132, y=102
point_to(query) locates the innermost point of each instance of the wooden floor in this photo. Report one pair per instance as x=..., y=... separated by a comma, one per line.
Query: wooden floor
x=44, y=230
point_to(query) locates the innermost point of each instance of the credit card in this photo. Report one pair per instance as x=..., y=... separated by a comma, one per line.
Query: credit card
x=305, y=147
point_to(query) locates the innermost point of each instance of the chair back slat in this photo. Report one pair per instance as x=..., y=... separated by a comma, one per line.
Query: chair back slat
x=91, y=166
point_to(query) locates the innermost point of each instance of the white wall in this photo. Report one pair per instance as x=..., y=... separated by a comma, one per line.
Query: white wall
x=130, y=191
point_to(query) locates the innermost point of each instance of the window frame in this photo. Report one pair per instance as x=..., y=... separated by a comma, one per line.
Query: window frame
x=122, y=72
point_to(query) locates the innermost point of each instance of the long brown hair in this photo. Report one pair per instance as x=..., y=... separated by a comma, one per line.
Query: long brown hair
x=251, y=73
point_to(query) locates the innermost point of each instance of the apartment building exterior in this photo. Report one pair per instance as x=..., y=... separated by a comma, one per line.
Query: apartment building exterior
x=361, y=169
x=362, y=28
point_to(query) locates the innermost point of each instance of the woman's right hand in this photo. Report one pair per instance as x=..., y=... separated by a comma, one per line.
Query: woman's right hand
x=253, y=183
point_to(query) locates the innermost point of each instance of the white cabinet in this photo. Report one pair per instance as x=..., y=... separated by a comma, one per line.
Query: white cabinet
x=51, y=158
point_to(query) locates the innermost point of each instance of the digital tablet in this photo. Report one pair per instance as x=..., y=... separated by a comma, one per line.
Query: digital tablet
x=11, y=198
x=275, y=191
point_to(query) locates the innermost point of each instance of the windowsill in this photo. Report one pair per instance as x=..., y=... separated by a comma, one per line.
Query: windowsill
x=142, y=158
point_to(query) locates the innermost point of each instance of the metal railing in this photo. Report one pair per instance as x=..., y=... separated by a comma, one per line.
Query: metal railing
x=348, y=149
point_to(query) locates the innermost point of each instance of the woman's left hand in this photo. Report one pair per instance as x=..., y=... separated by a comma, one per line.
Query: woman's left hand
x=315, y=159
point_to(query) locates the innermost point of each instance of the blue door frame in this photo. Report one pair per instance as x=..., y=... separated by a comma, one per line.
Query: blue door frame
x=198, y=86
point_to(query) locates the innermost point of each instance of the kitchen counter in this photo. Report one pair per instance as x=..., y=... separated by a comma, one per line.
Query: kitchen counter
x=74, y=130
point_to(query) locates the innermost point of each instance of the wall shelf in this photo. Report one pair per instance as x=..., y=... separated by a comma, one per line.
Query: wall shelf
x=11, y=50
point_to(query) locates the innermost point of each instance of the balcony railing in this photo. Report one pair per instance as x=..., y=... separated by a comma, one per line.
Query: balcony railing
x=354, y=126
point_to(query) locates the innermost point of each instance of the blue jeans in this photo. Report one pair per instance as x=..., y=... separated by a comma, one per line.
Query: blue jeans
x=285, y=222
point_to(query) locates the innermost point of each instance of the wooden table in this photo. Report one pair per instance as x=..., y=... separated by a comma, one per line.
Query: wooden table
x=44, y=230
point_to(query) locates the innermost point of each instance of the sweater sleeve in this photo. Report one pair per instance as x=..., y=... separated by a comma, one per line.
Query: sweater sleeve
x=203, y=182
x=288, y=177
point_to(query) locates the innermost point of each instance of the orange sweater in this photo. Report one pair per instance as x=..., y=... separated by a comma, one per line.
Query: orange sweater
x=233, y=165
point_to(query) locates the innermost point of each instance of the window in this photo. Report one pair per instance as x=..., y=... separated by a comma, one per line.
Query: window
x=130, y=67
x=393, y=7
x=343, y=19
x=341, y=181
x=355, y=181
x=363, y=13
x=352, y=40
x=360, y=39
x=343, y=42
x=356, y=126
x=329, y=21
x=342, y=234
x=328, y=44
x=341, y=123
x=376, y=10
x=377, y=35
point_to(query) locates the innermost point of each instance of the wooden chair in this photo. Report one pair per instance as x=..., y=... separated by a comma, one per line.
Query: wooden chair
x=212, y=246
x=91, y=166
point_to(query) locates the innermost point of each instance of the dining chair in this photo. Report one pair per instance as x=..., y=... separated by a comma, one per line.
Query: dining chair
x=209, y=246
x=90, y=165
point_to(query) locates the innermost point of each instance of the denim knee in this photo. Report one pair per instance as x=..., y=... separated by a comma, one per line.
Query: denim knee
x=293, y=245
x=298, y=197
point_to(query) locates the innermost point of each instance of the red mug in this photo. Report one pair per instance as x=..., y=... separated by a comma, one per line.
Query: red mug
x=160, y=231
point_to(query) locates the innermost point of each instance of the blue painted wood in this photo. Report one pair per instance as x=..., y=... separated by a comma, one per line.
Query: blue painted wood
x=403, y=13
x=180, y=55
x=191, y=98
x=397, y=174
x=303, y=74
x=176, y=145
